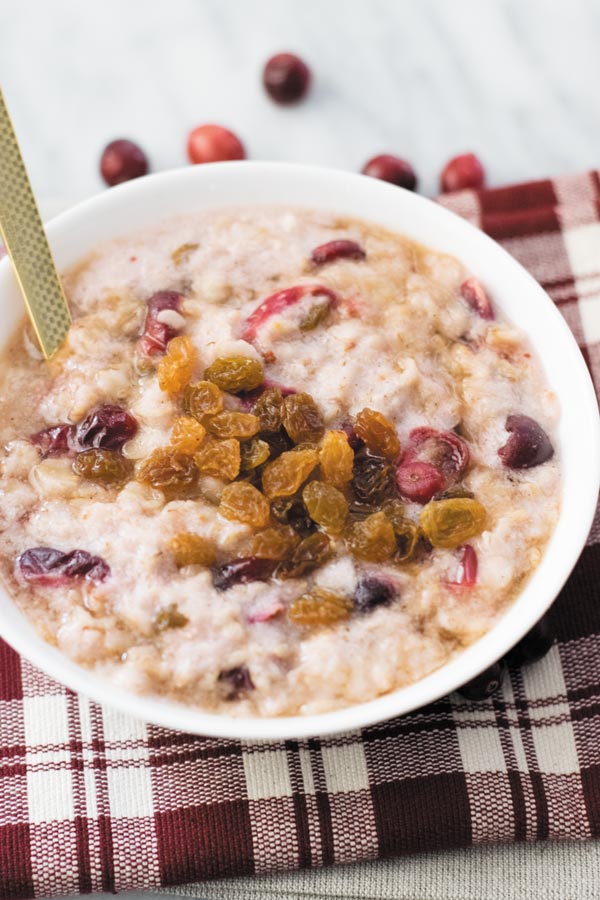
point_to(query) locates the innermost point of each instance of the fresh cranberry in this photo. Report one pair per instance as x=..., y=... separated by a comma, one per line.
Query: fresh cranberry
x=393, y=169
x=464, y=171
x=418, y=481
x=326, y=253
x=536, y=643
x=528, y=444
x=372, y=592
x=121, y=161
x=53, y=568
x=473, y=292
x=445, y=450
x=157, y=334
x=286, y=78
x=279, y=301
x=213, y=143
x=466, y=576
x=237, y=681
x=106, y=427
x=242, y=570
x=59, y=440
x=486, y=684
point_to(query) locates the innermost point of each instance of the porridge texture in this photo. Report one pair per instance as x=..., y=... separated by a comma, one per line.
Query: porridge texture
x=284, y=463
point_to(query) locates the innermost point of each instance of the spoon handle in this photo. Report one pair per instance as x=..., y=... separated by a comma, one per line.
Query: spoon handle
x=25, y=240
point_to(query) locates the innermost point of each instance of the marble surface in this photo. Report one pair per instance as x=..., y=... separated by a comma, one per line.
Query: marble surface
x=515, y=81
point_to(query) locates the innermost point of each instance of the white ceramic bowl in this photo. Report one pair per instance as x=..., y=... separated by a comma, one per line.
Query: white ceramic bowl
x=146, y=201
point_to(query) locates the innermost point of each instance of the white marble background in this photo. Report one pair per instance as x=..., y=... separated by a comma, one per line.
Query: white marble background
x=514, y=80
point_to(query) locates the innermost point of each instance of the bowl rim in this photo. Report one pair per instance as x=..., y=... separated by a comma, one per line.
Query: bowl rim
x=18, y=632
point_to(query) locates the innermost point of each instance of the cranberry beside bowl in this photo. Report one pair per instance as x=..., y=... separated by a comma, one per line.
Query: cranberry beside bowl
x=428, y=475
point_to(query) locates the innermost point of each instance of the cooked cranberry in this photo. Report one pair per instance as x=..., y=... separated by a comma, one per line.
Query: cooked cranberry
x=528, y=444
x=418, y=481
x=56, y=441
x=472, y=291
x=445, y=450
x=486, y=684
x=242, y=570
x=464, y=171
x=286, y=78
x=371, y=592
x=533, y=646
x=213, y=143
x=156, y=333
x=108, y=427
x=392, y=169
x=466, y=576
x=279, y=301
x=50, y=567
x=326, y=253
x=236, y=681
x=121, y=161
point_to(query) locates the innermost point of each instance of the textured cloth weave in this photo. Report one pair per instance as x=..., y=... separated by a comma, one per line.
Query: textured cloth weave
x=91, y=800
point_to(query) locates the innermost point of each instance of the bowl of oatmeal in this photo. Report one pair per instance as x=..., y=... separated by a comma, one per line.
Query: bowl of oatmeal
x=310, y=458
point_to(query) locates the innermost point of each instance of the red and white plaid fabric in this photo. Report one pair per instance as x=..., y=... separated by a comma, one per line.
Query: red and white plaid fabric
x=93, y=801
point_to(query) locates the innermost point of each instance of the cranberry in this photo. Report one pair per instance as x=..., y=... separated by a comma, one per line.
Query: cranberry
x=242, y=570
x=444, y=450
x=486, y=684
x=464, y=171
x=393, y=169
x=472, y=291
x=56, y=441
x=353, y=439
x=121, y=161
x=467, y=571
x=213, y=143
x=533, y=646
x=156, y=334
x=371, y=592
x=286, y=78
x=528, y=444
x=326, y=253
x=237, y=681
x=53, y=568
x=418, y=481
x=279, y=301
x=107, y=427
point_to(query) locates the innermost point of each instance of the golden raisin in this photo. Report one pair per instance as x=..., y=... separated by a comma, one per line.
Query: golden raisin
x=221, y=459
x=394, y=510
x=242, y=502
x=326, y=505
x=254, y=454
x=182, y=253
x=202, y=399
x=187, y=434
x=169, y=617
x=104, y=466
x=301, y=418
x=316, y=314
x=378, y=433
x=230, y=424
x=192, y=550
x=169, y=471
x=449, y=523
x=309, y=555
x=407, y=538
x=235, y=373
x=372, y=539
x=336, y=458
x=177, y=365
x=268, y=409
x=320, y=607
x=283, y=476
x=273, y=543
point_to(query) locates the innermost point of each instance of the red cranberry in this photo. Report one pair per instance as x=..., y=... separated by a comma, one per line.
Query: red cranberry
x=53, y=568
x=445, y=450
x=121, y=161
x=107, y=427
x=473, y=292
x=533, y=646
x=156, y=334
x=326, y=253
x=242, y=570
x=279, y=301
x=286, y=78
x=528, y=444
x=213, y=143
x=464, y=171
x=237, y=681
x=56, y=441
x=372, y=592
x=418, y=481
x=393, y=169
x=486, y=684
x=467, y=570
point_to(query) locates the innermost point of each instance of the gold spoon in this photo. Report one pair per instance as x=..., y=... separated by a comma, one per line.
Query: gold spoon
x=25, y=240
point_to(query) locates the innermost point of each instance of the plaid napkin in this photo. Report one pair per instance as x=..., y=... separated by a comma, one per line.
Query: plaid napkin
x=91, y=800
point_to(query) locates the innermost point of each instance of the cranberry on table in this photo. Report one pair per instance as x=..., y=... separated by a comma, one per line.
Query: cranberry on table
x=213, y=143
x=486, y=684
x=528, y=444
x=286, y=78
x=121, y=161
x=461, y=172
x=393, y=169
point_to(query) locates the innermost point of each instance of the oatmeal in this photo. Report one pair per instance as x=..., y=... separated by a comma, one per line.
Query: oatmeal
x=285, y=462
